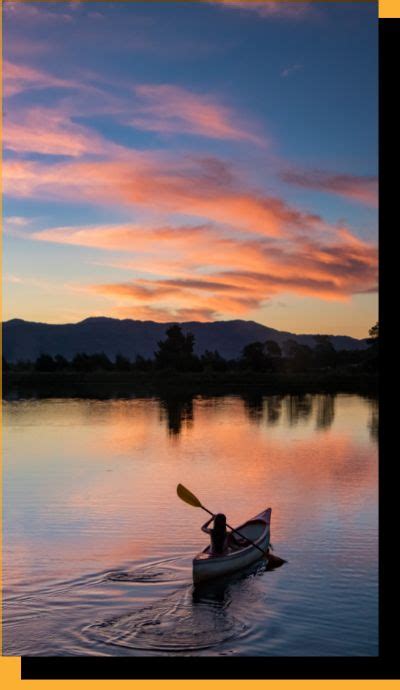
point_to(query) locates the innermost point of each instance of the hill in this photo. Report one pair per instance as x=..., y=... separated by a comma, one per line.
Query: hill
x=26, y=340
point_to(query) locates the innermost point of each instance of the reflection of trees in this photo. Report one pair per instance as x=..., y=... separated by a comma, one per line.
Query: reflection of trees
x=260, y=408
x=325, y=411
x=298, y=408
x=253, y=405
x=373, y=423
x=177, y=411
x=274, y=408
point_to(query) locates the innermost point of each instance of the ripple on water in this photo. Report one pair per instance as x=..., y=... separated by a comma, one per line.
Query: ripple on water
x=146, y=575
x=174, y=624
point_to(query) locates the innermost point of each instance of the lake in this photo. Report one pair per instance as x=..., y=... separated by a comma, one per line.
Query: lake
x=98, y=547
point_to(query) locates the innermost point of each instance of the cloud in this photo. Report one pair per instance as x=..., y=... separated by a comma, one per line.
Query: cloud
x=291, y=70
x=221, y=275
x=146, y=313
x=18, y=78
x=18, y=221
x=270, y=10
x=172, y=109
x=49, y=131
x=203, y=187
x=363, y=189
x=35, y=13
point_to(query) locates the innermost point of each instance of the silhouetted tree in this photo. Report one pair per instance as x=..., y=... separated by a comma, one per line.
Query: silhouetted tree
x=254, y=357
x=324, y=352
x=371, y=355
x=213, y=361
x=143, y=364
x=45, y=362
x=300, y=357
x=273, y=349
x=82, y=362
x=24, y=365
x=374, y=332
x=101, y=362
x=122, y=363
x=61, y=363
x=176, y=351
x=274, y=354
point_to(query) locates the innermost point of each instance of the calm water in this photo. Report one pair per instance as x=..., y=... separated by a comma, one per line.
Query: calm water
x=98, y=547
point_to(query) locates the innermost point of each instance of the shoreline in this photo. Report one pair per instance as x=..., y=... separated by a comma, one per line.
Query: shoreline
x=76, y=384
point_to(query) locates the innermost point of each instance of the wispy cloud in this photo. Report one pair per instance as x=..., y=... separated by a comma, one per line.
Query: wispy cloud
x=291, y=69
x=277, y=9
x=203, y=187
x=217, y=274
x=36, y=12
x=18, y=78
x=50, y=131
x=360, y=188
x=167, y=108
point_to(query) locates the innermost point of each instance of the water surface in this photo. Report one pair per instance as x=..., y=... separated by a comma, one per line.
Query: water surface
x=98, y=548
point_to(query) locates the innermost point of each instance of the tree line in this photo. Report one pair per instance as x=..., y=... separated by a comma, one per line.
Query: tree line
x=176, y=353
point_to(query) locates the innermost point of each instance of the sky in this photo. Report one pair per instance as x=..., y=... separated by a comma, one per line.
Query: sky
x=180, y=161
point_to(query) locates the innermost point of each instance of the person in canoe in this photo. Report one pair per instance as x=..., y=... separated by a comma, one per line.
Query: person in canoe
x=218, y=533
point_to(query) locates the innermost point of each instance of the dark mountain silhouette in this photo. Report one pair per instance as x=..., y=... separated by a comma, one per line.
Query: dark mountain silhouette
x=26, y=340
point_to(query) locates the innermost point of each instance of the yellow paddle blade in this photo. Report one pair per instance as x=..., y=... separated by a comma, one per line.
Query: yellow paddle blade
x=187, y=496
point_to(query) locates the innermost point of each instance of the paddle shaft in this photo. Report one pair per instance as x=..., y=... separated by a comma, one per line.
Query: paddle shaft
x=264, y=553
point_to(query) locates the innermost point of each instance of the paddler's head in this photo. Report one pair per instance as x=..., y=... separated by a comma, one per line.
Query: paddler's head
x=220, y=522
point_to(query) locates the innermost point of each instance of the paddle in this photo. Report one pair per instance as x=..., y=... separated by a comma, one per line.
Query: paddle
x=192, y=500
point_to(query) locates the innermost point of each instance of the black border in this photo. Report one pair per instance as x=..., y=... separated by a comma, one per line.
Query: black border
x=385, y=665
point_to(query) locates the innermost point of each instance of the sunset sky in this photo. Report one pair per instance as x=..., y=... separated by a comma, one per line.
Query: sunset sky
x=191, y=161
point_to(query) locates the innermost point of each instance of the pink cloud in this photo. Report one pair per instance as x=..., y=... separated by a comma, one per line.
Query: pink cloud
x=172, y=109
x=18, y=78
x=49, y=131
x=363, y=189
x=274, y=10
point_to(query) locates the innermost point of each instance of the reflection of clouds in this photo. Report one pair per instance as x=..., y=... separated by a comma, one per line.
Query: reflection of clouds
x=96, y=481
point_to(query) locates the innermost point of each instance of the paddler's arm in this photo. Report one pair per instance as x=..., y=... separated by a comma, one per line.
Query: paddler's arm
x=205, y=527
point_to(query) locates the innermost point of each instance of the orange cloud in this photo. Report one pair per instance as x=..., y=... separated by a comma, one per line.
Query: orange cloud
x=363, y=189
x=168, y=108
x=205, y=188
x=218, y=275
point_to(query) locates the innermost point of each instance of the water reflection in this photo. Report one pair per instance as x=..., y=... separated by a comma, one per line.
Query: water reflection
x=90, y=497
x=373, y=423
x=254, y=406
x=177, y=412
x=274, y=408
x=298, y=408
x=325, y=411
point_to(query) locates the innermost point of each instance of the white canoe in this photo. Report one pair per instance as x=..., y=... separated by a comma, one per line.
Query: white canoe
x=207, y=565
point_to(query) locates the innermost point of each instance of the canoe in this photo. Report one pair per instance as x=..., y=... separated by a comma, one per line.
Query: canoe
x=206, y=565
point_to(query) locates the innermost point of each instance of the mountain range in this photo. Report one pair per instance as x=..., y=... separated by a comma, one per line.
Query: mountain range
x=26, y=340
